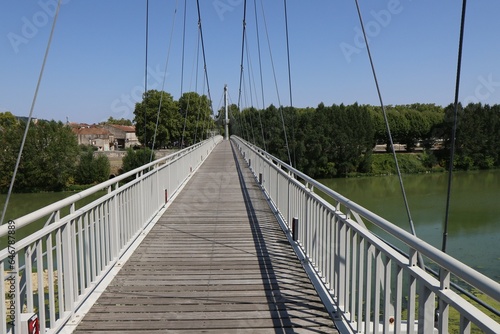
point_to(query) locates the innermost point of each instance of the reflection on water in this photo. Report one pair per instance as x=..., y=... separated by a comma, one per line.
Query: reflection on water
x=474, y=222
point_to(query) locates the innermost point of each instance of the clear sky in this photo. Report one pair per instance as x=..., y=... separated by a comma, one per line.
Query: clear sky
x=96, y=64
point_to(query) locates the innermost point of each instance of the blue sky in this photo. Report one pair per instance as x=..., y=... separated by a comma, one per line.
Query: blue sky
x=96, y=63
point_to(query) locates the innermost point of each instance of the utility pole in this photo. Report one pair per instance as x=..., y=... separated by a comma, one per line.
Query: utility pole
x=226, y=120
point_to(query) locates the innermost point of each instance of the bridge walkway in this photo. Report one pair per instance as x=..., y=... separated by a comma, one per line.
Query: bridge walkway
x=216, y=262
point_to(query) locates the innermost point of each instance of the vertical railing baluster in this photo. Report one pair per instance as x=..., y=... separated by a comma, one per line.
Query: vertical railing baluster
x=354, y=275
x=81, y=254
x=341, y=264
x=370, y=259
x=347, y=269
x=388, y=306
x=102, y=239
x=444, y=308
x=93, y=248
x=67, y=256
x=361, y=272
x=59, y=265
x=412, y=293
x=331, y=250
x=18, y=308
x=399, y=300
x=41, y=287
x=426, y=307
x=378, y=278
x=3, y=301
x=465, y=325
x=51, y=280
x=28, y=272
x=87, y=247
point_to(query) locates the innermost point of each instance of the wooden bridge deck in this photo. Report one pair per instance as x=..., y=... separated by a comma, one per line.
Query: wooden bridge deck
x=216, y=262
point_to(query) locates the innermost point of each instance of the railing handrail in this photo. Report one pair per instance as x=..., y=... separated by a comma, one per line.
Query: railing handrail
x=42, y=212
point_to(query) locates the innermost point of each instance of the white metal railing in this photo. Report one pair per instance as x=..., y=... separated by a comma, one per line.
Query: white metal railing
x=374, y=288
x=63, y=262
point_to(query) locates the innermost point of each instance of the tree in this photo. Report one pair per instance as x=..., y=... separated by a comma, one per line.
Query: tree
x=195, y=112
x=136, y=158
x=92, y=169
x=10, y=140
x=7, y=120
x=48, y=160
x=121, y=121
x=148, y=114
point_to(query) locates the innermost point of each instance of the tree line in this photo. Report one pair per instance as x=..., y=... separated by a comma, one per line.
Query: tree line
x=337, y=140
x=51, y=160
x=326, y=141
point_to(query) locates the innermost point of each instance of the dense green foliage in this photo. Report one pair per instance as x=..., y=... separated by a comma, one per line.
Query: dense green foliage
x=121, y=121
x=136, y=158
x=92, y=169
x=326, y=141
x=338, y=140
x=48, y=159
x=477, y=137
x=187, y=120
x=51, y=159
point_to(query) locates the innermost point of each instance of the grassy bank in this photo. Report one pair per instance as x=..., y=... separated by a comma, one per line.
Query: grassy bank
x=409, y=163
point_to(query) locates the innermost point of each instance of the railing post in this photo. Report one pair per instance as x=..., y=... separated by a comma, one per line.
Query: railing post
x=67, y=266
x=426, y=307
x=295, y=228
x=444, y=309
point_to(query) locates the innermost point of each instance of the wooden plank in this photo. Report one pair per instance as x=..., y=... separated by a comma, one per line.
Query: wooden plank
x=261, y=330
x=216, y=262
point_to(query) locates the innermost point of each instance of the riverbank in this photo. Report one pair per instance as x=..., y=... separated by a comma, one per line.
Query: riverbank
x=409, y=163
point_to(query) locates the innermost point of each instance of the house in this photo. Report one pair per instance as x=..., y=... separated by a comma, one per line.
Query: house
x=94, y=135
x=124, y=135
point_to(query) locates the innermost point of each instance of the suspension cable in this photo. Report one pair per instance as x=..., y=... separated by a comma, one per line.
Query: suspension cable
x=243, y=44
x=454, y=129
x=204, y=57
x=146, y=74
x=410, y=220
x=195, y=66
x=290, y=82
x=163, y=83
x=250, y=113
x=242, y=51
x=25, y=135
x=288, y=55
x=253, y=91
x=276, y=86
x=183, y=46
x=260, y=71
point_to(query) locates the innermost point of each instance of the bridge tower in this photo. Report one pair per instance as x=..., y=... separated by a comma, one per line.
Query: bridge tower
x=226, y=120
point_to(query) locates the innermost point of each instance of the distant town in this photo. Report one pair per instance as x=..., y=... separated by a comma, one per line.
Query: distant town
x=105, y=137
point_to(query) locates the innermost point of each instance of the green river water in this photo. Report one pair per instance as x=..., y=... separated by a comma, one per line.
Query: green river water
x=474, y=221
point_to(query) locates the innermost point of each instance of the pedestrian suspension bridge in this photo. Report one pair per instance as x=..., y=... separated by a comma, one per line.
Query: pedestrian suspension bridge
x=222, y=237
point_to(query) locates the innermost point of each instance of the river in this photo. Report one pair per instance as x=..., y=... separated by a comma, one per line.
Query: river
x=22, y=204
x=474, y=221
